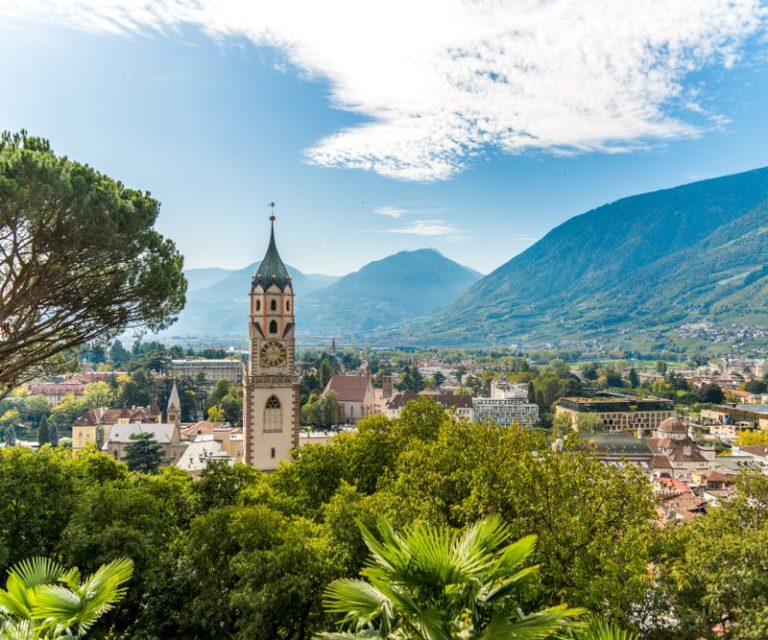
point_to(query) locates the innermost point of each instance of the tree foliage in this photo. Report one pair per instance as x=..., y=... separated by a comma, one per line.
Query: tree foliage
x=80, y=258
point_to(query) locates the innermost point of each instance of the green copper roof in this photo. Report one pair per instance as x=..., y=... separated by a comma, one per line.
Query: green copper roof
x=272, y=270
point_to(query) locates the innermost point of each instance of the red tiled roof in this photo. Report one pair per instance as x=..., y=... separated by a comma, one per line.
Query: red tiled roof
x=756, y=450
x=349, y=388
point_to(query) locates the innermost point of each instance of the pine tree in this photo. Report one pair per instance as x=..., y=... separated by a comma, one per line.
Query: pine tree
x=43, y=433
x=634, y=379
x=53, y=435
x=144, y=453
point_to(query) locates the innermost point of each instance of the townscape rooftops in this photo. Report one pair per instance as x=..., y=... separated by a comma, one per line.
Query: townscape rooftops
x=103, y=416
x=448, y=400
x=349, y=388
x=621, y=444
x=204, y=427
x=760, y=450
x=197, y=455
x=121, y=433
x=672, y=425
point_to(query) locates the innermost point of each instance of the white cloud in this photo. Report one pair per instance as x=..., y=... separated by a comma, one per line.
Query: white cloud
x=440, y=80
x=430, y=229
x=519, y=237
x=390, y=212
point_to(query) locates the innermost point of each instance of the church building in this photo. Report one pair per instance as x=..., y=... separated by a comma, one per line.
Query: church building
x=271, y=383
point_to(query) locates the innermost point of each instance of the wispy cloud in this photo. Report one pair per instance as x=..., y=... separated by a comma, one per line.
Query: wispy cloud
x=390, y=212
x=430, y=229
x=440, y=80
x=517, y=237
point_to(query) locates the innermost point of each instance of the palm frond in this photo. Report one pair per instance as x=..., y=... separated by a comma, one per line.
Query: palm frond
x=24, y=578
x=62, y=608
x=600, y=629
x=539, y=625
x=17, y=630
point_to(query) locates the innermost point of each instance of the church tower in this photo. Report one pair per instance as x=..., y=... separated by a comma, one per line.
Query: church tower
x=173, y=411
x=271, y=384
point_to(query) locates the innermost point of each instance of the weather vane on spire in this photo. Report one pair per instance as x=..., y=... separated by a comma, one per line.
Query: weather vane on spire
x=271, y=206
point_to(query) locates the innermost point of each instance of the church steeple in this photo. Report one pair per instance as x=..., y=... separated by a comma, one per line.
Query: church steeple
x=271, y=383
x=173, y=410
x=272, y=270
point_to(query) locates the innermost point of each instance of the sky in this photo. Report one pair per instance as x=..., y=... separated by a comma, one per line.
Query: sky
x=473, y=127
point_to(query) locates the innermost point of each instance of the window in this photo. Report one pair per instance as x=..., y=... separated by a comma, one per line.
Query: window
x=273, y=416
x=287, y=305
x=273, y=305
x=273, y=327
x=272, y=452
x=258, y=305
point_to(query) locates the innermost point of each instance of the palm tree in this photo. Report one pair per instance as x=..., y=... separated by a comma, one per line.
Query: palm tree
x=43, y=600
x=436, y=583
x=599, y=629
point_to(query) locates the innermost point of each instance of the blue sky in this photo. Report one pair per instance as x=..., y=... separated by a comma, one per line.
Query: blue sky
x=217, y=119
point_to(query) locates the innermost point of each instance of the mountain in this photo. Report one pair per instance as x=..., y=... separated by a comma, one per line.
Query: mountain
x=217, y=300
x=650, y=261
x=201, y=278
x=384, y=293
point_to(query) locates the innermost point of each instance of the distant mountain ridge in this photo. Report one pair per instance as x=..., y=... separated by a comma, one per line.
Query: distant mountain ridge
x=382, y=293
x=632, y=264
x=386, y=292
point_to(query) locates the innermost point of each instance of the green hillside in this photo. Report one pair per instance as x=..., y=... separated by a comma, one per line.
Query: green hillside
x=385, y=292
x=649, y=262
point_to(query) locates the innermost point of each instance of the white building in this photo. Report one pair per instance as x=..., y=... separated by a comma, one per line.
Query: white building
x=506, y=411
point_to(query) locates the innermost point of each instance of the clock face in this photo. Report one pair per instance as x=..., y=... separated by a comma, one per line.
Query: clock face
x=273, y=354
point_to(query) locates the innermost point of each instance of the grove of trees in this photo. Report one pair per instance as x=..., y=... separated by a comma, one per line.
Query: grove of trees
x=240, y=554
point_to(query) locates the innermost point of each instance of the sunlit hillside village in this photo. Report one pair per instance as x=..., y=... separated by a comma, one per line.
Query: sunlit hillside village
x=690, y=427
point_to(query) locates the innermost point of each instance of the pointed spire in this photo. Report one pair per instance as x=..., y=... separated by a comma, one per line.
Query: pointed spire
x=272, y=270
x=174, y=403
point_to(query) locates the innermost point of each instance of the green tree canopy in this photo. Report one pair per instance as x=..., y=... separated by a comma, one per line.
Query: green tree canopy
x=80, y=258
x=144, y=453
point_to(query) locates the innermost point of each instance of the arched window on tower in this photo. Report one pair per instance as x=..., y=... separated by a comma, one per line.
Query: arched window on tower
x=273, y=305
x=287, y=305
x=273, y=416
x=258, y=305
x=273, y=327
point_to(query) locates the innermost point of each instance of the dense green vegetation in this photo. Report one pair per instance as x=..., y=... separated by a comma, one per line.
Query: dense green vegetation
x=240, y=554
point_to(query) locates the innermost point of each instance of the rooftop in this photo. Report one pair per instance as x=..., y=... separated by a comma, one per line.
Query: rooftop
x=272, y=271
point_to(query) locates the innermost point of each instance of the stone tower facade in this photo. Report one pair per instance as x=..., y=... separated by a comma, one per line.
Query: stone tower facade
x=271, y=383
x=173, y=411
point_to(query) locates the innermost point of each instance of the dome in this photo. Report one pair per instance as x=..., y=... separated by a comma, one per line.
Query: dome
x=673, y=425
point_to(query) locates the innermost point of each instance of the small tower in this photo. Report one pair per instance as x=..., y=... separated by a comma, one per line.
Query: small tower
x=173, y=411
x=271, y=384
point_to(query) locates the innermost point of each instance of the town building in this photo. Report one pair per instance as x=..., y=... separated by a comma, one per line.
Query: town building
x=756, y=454
x=210, y=371
x=215, y=442
x=116, y=444
x=620, y=413
x=85, y=429
x=506, y=411
x=743, y=416
x=618, y=448
x=684, y=456
x=271, y=383
x=504, y=390
x=355, y=396
x=55, y=392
